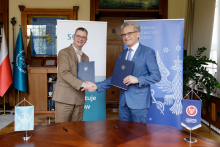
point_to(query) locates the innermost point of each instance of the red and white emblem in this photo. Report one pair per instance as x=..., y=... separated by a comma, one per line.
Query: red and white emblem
x=191, y=110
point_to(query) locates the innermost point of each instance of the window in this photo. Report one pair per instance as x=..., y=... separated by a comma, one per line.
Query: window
x=213, y=53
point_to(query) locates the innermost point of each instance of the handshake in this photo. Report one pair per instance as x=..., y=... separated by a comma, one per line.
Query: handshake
x=89, y=86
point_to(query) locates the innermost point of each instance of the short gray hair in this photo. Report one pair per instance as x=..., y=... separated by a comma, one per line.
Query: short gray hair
x=82, y=29
x=131, y=23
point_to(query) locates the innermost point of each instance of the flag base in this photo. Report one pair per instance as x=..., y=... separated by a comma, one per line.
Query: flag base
x=5, y=113
x=26, y=137
x=190, y=140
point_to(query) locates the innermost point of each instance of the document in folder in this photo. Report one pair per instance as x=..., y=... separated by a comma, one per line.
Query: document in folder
x=122, y=69
x=86, y=71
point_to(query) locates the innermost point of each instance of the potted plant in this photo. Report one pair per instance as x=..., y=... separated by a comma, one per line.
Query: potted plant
x=195, y=65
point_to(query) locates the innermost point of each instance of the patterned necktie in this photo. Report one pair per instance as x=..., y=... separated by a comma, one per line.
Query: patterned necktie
x=79, y=52
x=129, y=54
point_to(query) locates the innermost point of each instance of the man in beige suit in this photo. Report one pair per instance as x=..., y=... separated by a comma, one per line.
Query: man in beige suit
x=68, y=97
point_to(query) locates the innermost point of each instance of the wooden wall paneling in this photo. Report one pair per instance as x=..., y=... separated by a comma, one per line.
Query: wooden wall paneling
x=217, y=102
x=208, y=109
x=74, y=16
x=92, y=10
x=4, y=21
x=38, y=90
x=1, y=6
x=204, y=109
x=165, y=9
x=96, y=6
x=22, y=95
x=1, y=19
x=213, y=111
x=113, y=51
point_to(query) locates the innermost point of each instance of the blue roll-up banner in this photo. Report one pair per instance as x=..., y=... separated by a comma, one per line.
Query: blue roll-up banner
x=191, y=117
x=95, y=49
x=166, y=37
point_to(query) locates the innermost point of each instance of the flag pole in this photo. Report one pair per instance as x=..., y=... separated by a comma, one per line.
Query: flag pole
x=13, y=22
x=4, y=113
x=18, y=96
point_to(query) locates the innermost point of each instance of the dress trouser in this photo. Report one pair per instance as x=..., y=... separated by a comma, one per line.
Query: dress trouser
x=135, y=115
x=68, y=113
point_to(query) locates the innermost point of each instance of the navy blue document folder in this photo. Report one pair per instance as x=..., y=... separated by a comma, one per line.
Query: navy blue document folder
x=86, y=71
x=122, y=69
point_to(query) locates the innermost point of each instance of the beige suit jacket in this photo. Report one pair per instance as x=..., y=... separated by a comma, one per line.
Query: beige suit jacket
x=68, y=86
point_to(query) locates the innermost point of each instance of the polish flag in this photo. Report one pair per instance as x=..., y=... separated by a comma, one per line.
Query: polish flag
x=5, y=69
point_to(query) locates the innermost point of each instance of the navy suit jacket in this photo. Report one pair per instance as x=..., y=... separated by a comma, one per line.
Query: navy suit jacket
x=138, y=96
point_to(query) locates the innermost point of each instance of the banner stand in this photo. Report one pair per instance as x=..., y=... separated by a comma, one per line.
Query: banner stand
x=26, y=136
x=191, y=140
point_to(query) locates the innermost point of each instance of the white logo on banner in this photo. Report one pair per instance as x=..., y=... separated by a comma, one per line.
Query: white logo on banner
x=190, y=120
x=166, y=86
x=24, y=118
x=159, y=104
x=20, y=58
x=87, y=107
x=91, y=98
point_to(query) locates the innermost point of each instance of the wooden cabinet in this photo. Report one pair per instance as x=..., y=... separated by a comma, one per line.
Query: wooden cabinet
x=211, y=110
x=38, y=86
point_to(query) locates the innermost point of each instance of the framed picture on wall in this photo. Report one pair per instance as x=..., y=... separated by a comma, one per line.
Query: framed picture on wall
x=50, y=62
x=36, y=62
x=1, y=30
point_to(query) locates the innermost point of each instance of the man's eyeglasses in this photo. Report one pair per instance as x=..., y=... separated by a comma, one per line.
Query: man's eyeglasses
x=128, y=34
x=80, y=37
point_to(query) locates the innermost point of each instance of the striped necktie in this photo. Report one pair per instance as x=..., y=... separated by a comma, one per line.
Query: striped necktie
x=129, y=54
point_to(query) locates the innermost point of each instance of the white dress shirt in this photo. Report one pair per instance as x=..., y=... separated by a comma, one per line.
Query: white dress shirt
x=134, y=48
x=78, y=55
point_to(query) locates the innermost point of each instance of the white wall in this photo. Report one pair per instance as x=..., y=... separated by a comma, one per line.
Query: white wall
x=177, y=9
x=203, y=24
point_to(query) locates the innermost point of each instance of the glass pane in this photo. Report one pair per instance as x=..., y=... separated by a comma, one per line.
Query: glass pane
x=42, y=35
x=129, y=4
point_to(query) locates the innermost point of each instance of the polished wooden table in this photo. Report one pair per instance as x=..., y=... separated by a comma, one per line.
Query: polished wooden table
x=104, y=133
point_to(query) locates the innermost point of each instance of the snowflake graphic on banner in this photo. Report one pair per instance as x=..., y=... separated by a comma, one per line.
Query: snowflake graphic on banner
x=178, y=48
x=174, y=87
x=166, y=50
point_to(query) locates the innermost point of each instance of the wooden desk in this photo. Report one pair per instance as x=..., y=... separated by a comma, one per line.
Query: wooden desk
x=104, y=133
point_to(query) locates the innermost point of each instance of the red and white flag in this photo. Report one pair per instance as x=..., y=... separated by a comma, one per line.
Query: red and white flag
x=5, y=69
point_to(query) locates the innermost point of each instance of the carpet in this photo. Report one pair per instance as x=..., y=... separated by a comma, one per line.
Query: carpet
x=6, y=119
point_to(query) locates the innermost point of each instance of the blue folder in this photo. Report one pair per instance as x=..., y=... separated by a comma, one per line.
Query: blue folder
x=86, y=71
x=122, y=69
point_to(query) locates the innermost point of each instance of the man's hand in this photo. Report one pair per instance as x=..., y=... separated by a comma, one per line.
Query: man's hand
x=130, y=80
x=89, y=86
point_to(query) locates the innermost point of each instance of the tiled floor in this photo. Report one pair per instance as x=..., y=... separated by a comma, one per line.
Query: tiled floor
x=112, y=114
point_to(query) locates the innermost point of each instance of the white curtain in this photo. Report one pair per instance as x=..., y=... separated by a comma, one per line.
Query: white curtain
x=188, y=33
x=215, y=37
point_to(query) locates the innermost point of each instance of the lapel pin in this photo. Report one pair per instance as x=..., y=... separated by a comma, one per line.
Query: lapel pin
x=135, y=57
